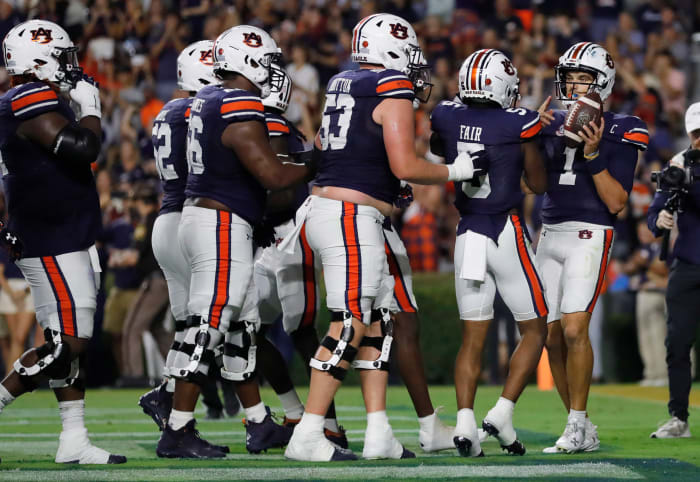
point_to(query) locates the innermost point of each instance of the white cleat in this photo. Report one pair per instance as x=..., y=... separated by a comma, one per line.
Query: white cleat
x=380, y=443
x=591, y=443
x=315, y=447
x=74, y=447
x=504, y=432
x=674, y=428
x=571, y=441
x=437, y=436
x=482, y=434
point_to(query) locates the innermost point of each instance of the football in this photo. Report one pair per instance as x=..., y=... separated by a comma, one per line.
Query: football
x=588, y=108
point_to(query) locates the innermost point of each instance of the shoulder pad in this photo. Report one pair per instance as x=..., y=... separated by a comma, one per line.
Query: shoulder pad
x=441, y=111
x=392, y=83
x=239, y=105
x=626, y=129
x=276, y=124
x=32, y=99
x=178, y=108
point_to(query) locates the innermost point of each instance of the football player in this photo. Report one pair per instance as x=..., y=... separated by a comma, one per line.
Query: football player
x=46, y=151
x=194, y=71
x=231, y=165
x=493, y=249
x=366, y=144
x=587, y=186
x=287, y=284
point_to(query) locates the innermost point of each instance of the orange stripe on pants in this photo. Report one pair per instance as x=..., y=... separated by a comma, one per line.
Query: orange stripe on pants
x=309, y=279
x=353, y=286
x=223, y=264
x=66, y=309
x=536, y=291
x=400, y=292
x=603, y=267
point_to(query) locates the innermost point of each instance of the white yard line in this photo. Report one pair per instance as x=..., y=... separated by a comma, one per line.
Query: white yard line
x=604, y=470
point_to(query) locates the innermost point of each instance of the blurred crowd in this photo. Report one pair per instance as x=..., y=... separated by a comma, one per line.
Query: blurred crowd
x=131, y=47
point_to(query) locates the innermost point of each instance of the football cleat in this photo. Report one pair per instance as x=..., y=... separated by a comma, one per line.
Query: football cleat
x=338, y=438
x=157, y=404
x=437, y=436
x=467, y=448
x=591, y=443
x=186, y=443
x=266, y=434
x=571, y=441
x=74, y=447
x=314, y=447
x=504, y=433
x=380, y=443
x=674, y=428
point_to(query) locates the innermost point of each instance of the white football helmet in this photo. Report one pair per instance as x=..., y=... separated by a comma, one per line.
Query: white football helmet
x=44, y=49
x=389, y=40
x=585, y=57
x=250, y=52
x=195, y=66
x=280, y=99
x=488, y=74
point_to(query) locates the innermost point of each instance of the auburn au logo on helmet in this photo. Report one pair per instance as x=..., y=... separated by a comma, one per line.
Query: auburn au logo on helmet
x=399, y=31
x=206, y=57
x=41, y=35
x=252, y=39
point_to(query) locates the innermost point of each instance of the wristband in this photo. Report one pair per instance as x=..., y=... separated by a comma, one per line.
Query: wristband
x=591, y=156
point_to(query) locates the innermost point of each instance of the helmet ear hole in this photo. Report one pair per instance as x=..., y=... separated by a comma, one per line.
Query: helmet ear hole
x=393, y=55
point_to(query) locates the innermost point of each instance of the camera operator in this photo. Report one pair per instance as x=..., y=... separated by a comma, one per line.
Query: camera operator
x=683, y=293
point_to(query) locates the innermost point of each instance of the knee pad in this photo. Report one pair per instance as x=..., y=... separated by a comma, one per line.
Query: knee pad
x=73, y=379
x=240, y=351
x=201, y=353
x=53, y=360
x=340, y=349
x=381, y=343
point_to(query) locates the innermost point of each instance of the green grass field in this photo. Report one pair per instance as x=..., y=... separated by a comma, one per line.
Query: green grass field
x=625, y=415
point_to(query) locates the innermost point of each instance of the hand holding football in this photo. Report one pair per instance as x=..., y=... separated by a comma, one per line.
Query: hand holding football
x=586, y=109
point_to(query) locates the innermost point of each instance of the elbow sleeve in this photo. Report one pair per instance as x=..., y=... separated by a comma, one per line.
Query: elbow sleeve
x=76, y=144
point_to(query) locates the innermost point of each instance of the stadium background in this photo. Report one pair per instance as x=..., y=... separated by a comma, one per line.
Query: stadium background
x=130, y=47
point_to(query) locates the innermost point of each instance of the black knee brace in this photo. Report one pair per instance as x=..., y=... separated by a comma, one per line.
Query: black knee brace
x=381, y=343
x=340, y=349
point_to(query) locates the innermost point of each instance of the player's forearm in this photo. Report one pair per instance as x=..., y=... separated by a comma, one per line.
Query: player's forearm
x=285, y=176
x=94, y=124
x=610, y=191
x=422, y=172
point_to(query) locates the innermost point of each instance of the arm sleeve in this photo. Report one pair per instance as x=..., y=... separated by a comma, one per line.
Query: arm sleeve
x=621, y=160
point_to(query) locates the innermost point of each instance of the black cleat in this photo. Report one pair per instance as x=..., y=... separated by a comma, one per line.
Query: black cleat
x=339, y=438
x=464, y=445
x=341, y=454
x=116, y=459
x=407, y=454
x=157, y=404
x=516, y=448
x=185, y=444
x=266, y=434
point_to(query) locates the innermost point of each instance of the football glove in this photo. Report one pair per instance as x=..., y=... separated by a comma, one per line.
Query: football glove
x=86, y=94
x=468, y=165
x=263, y=234
x=11, y=243
x=405, y=196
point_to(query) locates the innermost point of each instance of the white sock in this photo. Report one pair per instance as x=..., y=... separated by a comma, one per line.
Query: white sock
x=293, y=408
x=377, y=419
x=578, y=416
x=72, y=415
x=6, y=397
x=170, y=385
x=256, y=413
x=505, y=406
x=179, y=419
x=310, y=422
x=332, y=425
x=466, y=423
x=427, y=422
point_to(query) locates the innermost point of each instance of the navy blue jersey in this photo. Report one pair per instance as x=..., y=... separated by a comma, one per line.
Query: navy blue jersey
x=169, y=148
x=215, y=172
x=571, y=193
x=496, y=135
x=354, y=155
x=279, y=126
x=52, y=203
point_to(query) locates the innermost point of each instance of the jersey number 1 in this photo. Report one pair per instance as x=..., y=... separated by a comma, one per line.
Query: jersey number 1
x=568, y=178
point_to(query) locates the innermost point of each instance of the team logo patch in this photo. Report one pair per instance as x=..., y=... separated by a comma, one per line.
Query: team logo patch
x=206, y=57
x=41, y=35
x=585, y=234
x=609, y=61
x=508, y=67
x=252, y=40
x=399, y=31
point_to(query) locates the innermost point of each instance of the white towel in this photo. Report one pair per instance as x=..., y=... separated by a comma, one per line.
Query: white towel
x=289, y=243
x=474, y=256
